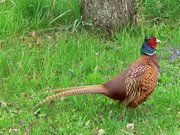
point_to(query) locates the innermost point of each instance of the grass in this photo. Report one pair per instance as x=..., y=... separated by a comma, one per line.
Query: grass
x=36, y=55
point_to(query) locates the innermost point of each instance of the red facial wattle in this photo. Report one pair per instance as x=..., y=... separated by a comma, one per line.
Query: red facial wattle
x=152, y=42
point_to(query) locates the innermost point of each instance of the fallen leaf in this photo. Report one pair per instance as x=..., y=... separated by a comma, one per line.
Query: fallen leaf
x=130, y=126
x=30, y=45
x=27, y=131
x=33, y=34
x=97, y=53
x=14, y=130
x=169, y=109
x=38, y=41
x=49, y=37
x=2, y=1
x=3, y=104
x=99, y=132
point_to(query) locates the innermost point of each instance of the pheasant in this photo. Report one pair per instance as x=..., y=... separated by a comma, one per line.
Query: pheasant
x=131, y=87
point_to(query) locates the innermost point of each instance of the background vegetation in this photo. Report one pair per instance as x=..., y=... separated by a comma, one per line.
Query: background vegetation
x=44, y=46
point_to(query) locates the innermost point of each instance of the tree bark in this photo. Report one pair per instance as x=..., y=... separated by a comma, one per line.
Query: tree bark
x=108, y=15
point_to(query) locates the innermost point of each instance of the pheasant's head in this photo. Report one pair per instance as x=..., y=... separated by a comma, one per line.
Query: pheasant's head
x=149, y=45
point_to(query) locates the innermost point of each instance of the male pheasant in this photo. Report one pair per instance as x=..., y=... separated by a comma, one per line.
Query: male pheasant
x=131, y=87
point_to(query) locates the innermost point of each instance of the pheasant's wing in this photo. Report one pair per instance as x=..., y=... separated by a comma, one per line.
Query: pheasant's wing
x=148, y=84
x=134, y=80
x=140, y=82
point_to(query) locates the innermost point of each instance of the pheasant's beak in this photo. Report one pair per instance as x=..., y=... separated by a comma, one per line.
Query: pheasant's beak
x=158, y=41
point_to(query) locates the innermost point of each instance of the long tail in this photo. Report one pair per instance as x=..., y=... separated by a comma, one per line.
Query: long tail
x=94, y=89
x=72, y=88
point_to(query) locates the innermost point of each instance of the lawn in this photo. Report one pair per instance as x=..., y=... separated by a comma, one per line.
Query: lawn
x=43, y=46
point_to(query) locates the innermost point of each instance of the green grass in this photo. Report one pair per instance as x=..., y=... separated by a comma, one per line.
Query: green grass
x=59, y=55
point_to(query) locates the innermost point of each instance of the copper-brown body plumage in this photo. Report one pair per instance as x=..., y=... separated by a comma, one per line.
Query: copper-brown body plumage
x=131, y=87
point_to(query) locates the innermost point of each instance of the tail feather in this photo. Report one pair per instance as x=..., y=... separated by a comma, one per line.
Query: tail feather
x=98, y=89
x=71, y=88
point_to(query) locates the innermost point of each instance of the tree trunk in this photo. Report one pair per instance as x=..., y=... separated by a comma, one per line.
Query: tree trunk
x=108, y=15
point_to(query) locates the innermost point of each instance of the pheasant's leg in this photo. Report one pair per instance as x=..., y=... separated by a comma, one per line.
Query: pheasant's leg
x=127, y=113
x=130, y=114
x=122, y=115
